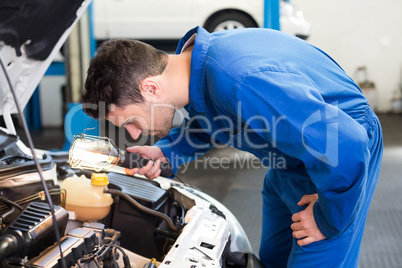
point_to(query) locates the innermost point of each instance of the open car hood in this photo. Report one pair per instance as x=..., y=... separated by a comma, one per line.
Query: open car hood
x=31, y=34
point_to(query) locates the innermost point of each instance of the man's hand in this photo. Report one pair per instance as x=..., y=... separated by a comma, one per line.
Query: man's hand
x=304, y=227
x=152, y=169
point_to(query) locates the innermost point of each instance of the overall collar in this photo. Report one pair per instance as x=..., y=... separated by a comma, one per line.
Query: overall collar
x=201, y=44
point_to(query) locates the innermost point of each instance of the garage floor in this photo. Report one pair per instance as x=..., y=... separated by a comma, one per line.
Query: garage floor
x=239, y=182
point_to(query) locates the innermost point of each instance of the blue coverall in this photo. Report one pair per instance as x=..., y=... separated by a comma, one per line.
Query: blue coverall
x=293, y=107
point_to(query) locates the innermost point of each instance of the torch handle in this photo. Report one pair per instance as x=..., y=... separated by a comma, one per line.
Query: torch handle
x=133, y=160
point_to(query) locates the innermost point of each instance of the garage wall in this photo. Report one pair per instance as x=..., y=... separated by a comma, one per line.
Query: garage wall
x=361, y=33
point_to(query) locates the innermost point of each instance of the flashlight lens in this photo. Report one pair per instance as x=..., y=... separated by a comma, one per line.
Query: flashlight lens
x=93, y=153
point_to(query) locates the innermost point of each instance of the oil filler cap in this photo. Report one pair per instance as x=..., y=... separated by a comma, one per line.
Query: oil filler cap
x=99, y=179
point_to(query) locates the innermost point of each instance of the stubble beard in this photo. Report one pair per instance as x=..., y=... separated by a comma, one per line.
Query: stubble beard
x=163, y=120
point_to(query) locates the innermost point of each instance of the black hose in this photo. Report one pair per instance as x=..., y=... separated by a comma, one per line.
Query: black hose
x=7, y=201
x=144, y=209
x=126, y=260
x=5, y=215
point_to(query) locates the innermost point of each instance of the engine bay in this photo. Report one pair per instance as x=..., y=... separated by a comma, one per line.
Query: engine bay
x=158, y=223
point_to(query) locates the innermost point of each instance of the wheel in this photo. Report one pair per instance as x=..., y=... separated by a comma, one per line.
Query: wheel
x=228, y=21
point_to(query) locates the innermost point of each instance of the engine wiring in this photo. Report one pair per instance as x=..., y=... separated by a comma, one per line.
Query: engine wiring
x=100, y=254
x=9, y=202
x=38, y=196
x=97, y=256
x=36, y=161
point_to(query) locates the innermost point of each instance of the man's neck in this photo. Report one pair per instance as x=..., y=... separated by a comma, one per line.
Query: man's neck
x=177, y=77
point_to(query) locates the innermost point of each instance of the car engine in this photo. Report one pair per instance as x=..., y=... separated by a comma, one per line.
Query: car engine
x=159, y=223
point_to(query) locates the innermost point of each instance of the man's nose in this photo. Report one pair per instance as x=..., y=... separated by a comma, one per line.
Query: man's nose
x=133, y=131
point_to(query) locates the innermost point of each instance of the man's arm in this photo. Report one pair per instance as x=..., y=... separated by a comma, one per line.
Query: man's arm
x=185, y=143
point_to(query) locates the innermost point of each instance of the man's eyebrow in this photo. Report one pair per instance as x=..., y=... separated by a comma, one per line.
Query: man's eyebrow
x=127, y=121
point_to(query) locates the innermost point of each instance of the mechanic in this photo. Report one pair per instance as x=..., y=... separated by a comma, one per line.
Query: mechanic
x=264, y=92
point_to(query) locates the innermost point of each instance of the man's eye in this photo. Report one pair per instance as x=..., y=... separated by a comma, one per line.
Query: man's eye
x=128, y=123
x=132, y=123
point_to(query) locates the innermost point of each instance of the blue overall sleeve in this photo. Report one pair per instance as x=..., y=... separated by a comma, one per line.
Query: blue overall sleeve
x=331, y=144
x=185, y=143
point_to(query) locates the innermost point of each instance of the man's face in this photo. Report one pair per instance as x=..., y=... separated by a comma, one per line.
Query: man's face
x=146, y=118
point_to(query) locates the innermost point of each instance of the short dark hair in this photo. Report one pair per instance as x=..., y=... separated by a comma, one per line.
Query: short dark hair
x=115, y=74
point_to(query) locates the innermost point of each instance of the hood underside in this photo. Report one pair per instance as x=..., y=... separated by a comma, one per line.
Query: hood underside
x=31, y=34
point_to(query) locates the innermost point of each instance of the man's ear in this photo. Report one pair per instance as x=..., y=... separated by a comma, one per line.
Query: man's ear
x=149, y=87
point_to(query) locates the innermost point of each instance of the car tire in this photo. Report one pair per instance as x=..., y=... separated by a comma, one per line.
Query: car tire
x=228, y=21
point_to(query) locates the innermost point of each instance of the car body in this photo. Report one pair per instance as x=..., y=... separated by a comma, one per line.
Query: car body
x=202, y=232
x=158, y=20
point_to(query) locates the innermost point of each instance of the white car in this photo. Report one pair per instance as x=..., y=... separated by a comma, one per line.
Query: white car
x=161, y=223
x=161, y=19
